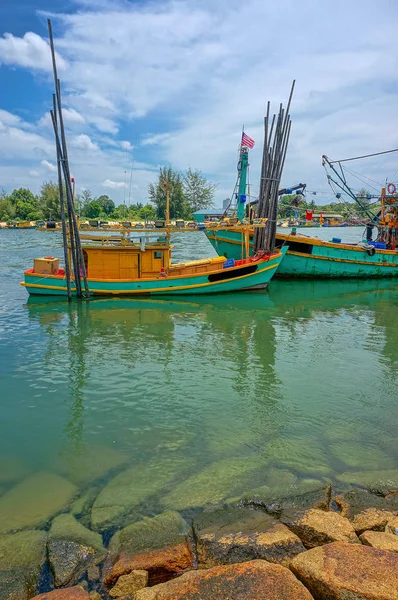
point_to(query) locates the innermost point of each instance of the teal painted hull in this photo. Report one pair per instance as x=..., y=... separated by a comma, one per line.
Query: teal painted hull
x=316, y=261
x=176, y=286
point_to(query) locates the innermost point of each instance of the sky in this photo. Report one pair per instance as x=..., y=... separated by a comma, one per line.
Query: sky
x=151, y=83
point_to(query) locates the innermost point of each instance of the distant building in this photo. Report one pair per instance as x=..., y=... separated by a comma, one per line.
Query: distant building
x=208, y=214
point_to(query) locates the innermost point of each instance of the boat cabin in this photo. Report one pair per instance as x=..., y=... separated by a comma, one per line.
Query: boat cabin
x=118, y=258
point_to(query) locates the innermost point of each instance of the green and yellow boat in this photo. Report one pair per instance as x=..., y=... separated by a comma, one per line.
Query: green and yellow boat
x=119, y=265
x=309, y=256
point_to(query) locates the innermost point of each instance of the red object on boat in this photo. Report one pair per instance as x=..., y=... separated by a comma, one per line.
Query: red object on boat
x=309, y=214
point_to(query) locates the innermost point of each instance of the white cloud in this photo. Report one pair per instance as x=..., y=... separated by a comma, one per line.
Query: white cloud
x=7, y=118
x=34, y=173
x=126, y=145
x=113, y=184
x=31, y=51
x=156, y=139
x=83, y=142
x=48, y=165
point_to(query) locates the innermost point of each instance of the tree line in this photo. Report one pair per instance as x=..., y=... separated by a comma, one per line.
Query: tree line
x=189, y=191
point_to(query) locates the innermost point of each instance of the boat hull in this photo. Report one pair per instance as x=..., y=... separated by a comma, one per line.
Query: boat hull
x=253, y=276
x=314, y=258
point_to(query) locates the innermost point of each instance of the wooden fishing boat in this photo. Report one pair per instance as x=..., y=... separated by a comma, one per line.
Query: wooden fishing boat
x=126, y=266
x=309, y=256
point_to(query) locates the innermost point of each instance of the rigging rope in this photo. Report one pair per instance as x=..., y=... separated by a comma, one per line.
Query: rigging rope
x=364, y=156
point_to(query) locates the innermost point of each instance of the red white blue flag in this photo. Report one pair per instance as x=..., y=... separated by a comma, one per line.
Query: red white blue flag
x=247, y=141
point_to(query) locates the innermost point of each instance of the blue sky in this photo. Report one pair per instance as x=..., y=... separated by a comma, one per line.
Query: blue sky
x=171, y=82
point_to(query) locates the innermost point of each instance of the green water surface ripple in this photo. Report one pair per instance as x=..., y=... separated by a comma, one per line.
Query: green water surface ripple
x=176, y=404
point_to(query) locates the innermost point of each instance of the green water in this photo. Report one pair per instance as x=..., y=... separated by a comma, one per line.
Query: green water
x=204, y=399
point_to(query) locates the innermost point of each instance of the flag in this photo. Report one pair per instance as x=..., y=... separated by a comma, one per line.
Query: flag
x=247, y=141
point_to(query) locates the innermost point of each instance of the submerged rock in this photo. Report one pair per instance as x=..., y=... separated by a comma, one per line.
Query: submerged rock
x=317, y=527
x=34, y=501
x=129, y=489
x=71, y=593
x=127, y=585
x=254, y=580
x=300, y=454
x=340, y=571
x=159, y=545
x=379, y=482
x=307, y=493
x=12, y=469
x=358, y=455
x=212, y=484
x=81, y=507
x=66, y=527
x=232, y=535
x=72, y=550
x=91, y=463
x=22, y=556
x=380, y=540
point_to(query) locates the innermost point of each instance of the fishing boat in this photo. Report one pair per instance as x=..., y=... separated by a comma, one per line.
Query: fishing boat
x=309, y=256
x=124, y=265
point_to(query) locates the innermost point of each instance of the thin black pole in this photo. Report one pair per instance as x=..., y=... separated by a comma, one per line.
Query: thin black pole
x=62, y=206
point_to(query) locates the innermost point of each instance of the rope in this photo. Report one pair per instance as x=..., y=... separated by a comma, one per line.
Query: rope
x=364, y=156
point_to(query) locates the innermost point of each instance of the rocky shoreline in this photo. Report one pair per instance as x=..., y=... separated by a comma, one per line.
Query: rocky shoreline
x=320, y=544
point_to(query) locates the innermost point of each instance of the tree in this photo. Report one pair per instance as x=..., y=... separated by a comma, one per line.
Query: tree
x=7, y=211
x=106, y=204
x=83, y=200
x=49, y=201
x=364, y=199
x=179, y=207
x=93, y=210
x=199, y=193
x=25, y=204
x=146, y=212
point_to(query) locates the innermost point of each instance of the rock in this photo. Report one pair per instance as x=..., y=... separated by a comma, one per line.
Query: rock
x=146, y=594
x=254, y=580
x=71, y=593
x=366, y=510
x=159, y=545
x=34, y=501
x=316, y=527
x=299, y=454
x=93, y=573
x=378, y=482
x=22, y=556
x=89, y=463
x=232, y=535
x=392, y=526
x=81, y=507
x=356, y=455
x=127, y=585
x=12, y=470
x=129, y=489
x=69, y=561
x=310, y=495
x=72, y=549
x=380, y=539
x=94, y=596
x=342, y=571
x=66, y=527
x=212, y=484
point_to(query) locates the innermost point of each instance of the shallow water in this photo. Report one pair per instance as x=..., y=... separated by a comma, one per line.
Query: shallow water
x=204, y=398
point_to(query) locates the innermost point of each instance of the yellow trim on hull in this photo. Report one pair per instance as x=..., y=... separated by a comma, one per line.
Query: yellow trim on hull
x=116, y=292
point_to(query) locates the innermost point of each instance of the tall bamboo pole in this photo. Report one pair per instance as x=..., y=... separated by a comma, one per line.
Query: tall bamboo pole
x=62, y=205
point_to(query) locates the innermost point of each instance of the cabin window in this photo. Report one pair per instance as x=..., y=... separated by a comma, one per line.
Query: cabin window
x=158, y=254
